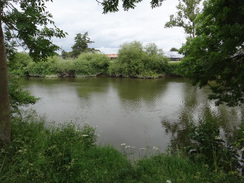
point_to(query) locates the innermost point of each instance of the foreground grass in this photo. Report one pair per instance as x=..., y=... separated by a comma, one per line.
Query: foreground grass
x=69, y=154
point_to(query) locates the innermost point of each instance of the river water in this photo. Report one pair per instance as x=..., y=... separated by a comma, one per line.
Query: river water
x=139, y=113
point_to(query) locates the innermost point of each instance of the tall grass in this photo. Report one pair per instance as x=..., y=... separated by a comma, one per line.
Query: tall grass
x=43, y=153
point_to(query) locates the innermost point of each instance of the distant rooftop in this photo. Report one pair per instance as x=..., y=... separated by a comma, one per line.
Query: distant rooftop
x=112, y=56
x=173, y=54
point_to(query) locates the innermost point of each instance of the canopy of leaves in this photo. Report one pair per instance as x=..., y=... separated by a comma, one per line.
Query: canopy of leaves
x=215, y=57
x=26, y=24
x=113, y=5
x=187, y=13
x=174, y=49
x=81, y=45
x=135, y=60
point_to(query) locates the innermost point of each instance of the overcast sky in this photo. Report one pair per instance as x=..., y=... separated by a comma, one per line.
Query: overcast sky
x=109, y=31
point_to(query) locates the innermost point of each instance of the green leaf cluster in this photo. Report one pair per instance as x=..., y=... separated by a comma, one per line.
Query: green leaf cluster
x=220, y=152
x=18, y=96
x=137, y=61
x=87, y=64
x=185, y=17
x=215, y=57
x=113, y=5
x=26, y=23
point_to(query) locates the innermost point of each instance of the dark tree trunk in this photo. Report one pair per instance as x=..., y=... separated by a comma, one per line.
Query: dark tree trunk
x=5, y=127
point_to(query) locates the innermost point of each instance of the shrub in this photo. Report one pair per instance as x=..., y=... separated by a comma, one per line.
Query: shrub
x=43, y=68
x=65, y=68
x=91, y=64
x=18, y=96
x=66, y=153
x=218, y=152
x=19, y=63
x=137, y=61
x=174, y=68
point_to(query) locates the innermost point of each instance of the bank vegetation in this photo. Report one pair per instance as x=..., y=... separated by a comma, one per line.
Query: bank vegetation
x=134, y=60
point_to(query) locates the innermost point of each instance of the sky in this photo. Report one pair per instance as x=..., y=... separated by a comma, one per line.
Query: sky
x=109, y=31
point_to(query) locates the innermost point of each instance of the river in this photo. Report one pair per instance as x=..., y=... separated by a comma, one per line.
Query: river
x=139, y=113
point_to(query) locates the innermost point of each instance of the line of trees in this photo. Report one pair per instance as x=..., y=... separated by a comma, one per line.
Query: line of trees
x=134, y=60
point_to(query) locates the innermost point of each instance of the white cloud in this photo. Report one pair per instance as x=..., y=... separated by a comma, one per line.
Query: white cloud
x=109, y=31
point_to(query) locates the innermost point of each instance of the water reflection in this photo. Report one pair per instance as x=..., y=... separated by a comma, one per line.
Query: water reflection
x=194, y=108
x=137, y=112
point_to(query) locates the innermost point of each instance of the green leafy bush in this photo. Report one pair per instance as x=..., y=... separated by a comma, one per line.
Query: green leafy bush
x=91, y=64
x=67, y=153
x=137, y=61
x=174, y=68
x=43, y=68
x=18, y=64
x=65, y=68
x=18, y=96
x=218, y=152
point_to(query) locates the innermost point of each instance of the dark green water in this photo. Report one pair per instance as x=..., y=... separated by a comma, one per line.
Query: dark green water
x=137, y=112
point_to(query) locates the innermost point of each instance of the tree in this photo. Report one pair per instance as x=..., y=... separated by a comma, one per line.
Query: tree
x=81, y=45
x=113, y=5
x=187, y=13
x=174, y=49
x=136, y=60
x=24, y=22
x=215, y=57
x=65, y=54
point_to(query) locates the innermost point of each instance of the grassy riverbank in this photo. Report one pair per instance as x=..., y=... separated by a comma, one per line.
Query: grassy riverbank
x=43, y=153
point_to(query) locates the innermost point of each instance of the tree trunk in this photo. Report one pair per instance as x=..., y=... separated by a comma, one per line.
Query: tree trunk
x=5, y=127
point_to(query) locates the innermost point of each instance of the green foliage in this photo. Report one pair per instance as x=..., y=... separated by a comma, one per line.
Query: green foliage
x=87, y=64
x=66, y=55
x=208, y=147
x=137, y=61
x=58, y=154
x=215, y=56
x=18, y=64
x=186, y=15
x=28, y=24
x=174, y=49
x=81, y=45
x=174, y=68
x=113, y=5
x=43, y=68
x=68, y=153
x=30, y=21
x=65, y=68
x=18, y=96
x=168, y=168
x=91, y=64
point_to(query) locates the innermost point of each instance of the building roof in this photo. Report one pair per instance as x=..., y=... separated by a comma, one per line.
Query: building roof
x=112, y=55
x=173, y=54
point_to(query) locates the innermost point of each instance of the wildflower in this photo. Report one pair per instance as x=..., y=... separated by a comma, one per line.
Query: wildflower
x=85, y=135
x=123, y=144
x=218, y=138
x=168, y=181
x=127, y=147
